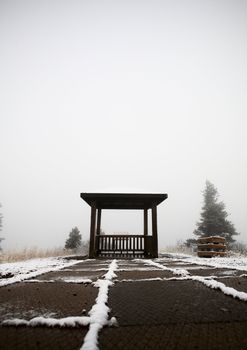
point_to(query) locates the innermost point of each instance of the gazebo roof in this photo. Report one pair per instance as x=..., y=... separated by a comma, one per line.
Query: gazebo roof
x=124, y=200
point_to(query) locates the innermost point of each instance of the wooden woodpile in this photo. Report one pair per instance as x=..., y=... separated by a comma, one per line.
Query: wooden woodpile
x=208, y=247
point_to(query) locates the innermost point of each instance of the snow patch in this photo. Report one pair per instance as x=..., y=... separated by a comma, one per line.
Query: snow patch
x=179, y=272
x=140, y=279
x=239, y=263
x=76, y=280
x=32, y=268
x=222, y=287
x=151, y=268
x=99, y=312
x=85, y=270
x=98, y=315
x=72, y=321
x=110, y=274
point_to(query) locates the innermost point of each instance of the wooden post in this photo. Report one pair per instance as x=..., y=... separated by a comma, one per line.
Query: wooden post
x=98, y=222
x=92, y=232
x=154, y=229
x=145, y=222
x=145, y=231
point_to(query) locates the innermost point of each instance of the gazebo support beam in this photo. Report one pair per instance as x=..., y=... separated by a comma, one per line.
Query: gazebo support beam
x=92, y=232
x=154, y=231
x=98, y=222
x=145, y=222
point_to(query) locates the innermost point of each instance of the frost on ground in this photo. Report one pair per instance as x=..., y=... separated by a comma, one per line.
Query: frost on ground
x=98, y=315
x=179, y=272
x=239, y=263
x=222, y=287
x=99, y=312
x=20, y=271
x=228, y=263
x=76, y=280
x=72, y=321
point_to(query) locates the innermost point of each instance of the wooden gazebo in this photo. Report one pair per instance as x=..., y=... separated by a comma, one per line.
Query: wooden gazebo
x=123, y=245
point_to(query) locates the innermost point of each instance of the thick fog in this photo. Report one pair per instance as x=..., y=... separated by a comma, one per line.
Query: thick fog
x=120, y=94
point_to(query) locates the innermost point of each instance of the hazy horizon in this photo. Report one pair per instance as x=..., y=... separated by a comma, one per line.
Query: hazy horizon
x=134, y=94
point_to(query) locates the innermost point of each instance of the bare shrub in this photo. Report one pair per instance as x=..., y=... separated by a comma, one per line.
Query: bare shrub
x=180, y=247
x=238, y=248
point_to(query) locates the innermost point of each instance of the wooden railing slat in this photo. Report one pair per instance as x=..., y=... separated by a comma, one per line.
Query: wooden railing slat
x=125, y=245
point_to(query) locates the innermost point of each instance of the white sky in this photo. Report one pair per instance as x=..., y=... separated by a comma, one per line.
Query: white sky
x=136, y=94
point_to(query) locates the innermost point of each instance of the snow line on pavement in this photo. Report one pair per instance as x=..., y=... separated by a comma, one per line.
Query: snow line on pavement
x=221, y=286
x=99, y=312
x=65, y=280
x=153, y=279
x=98, y=315
x=239, y=263
x=85, y=270
x=32, y=268
x=180, y=272
x=71, y=321
x=111, y=274
x=151, y=268
x=140, y=280
x=207, y=281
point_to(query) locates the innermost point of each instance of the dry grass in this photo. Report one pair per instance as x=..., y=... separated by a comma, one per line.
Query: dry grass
x=178, y=249
x=31, y=253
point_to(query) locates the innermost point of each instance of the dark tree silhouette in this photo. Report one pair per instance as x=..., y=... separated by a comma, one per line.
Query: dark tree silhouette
x=213, y=221
x=74, y=240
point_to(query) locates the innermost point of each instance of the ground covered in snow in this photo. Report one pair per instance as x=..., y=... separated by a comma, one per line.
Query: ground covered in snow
x=22, y=270
x=238, y=263
x=176, y=301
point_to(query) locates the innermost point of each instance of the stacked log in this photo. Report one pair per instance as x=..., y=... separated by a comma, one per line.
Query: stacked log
x=208, y=247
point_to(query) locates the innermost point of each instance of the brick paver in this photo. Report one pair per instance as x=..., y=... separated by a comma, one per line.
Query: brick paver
x=178, y=302
x=190, y=336
x=28, y=300
x=173, y=314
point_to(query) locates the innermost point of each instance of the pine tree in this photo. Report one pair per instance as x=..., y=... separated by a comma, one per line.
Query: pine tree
x=213, y=220
x=74, y=240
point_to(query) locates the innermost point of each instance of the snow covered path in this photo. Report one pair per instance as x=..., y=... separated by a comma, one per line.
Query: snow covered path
x=99, y=312
x=98, y=315
x=19, y=271
x=49, y=297
x=237, y=263
x=207, y=281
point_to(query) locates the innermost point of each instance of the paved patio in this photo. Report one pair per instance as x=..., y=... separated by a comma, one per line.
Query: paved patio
x=154, y=308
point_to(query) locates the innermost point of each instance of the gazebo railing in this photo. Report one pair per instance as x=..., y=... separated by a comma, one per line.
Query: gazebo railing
x=122, y=245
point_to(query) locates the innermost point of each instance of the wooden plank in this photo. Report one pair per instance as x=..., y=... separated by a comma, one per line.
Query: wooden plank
x=105, y=247
x=92, y=232
x=155, y=233
x=211, y=239
x=134, y=244
x=209, y=254
x=142, y=243
x=211, y=246
x=98, y=221
x=145, y=222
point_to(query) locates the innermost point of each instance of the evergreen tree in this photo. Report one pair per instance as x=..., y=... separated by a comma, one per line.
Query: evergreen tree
x=74, y=240
x=213, y=220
